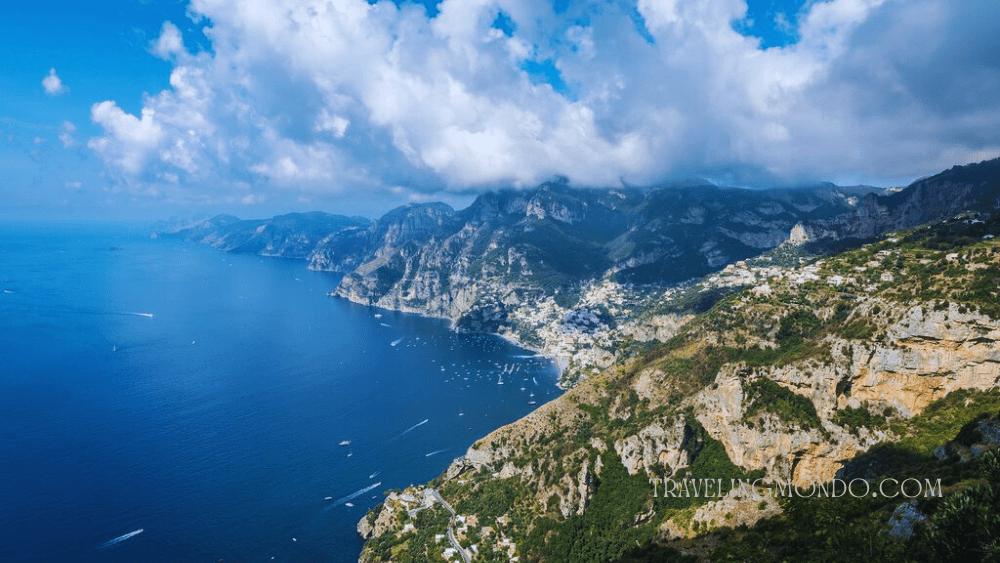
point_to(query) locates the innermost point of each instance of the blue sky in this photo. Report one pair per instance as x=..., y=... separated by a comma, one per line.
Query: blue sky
x=159, y=108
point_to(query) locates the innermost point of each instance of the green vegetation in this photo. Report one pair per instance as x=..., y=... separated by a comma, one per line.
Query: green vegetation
x=966, y=525
x=605, y=530
x=404, y=547
x=855, y=419
x=765, y=395
x=492, y=498
x=962, y=526
x=943, y=419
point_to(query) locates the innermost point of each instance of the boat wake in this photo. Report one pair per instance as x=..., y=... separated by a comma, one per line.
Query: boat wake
x=121, y=538
x=435, y=452
x=354, y=495
x=410, y=429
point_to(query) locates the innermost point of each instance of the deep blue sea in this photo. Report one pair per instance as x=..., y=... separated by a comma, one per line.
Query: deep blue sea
x=202, y=397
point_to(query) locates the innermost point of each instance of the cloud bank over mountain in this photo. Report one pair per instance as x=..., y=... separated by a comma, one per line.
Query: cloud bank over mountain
x=299, y=97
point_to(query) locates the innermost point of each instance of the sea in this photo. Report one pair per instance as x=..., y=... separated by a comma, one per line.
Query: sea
x=161, y=401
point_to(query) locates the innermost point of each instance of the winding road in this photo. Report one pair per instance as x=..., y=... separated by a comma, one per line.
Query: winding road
x=451, y=523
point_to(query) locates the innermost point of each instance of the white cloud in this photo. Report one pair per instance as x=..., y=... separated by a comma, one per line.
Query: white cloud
x=341, y=94
x=252, y=199
x=130, y=141
x=169, y=43
x=53, y=85
x=66, y=135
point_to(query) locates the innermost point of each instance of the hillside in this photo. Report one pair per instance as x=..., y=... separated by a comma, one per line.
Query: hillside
x=864, y=363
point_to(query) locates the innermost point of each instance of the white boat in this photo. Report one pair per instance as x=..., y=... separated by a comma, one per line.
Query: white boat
x=345, y=443
x=500, y=380
x=396, y=342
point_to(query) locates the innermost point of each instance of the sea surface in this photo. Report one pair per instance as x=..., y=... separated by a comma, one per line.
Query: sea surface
x=203, y=397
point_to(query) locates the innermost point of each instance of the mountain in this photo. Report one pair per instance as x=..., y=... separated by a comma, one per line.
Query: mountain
x=879, y=363
x=513, y=243
x=294, y=235
x=973, y=187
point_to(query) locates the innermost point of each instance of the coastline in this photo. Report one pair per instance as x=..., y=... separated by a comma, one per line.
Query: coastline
x=560, y=362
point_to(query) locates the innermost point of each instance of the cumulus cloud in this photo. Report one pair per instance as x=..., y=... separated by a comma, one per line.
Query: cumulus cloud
x=53, y=85
x=169, y=43
x=130, y=141
x=338, y=95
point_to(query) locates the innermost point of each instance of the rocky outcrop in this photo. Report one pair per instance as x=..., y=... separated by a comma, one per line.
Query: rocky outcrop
x=654, y=446
x=927, y=355
x=782, y=449
x=733, y=511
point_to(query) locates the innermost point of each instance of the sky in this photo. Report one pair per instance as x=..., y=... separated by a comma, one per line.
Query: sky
x=152, y=109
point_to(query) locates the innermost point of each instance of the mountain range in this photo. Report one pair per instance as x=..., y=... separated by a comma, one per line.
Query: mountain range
x=432, y=259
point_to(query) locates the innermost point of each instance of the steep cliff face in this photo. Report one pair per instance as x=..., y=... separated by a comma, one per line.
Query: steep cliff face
x=391, y=254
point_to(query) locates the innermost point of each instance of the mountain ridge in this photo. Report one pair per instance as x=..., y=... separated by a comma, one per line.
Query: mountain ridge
x=523, y=263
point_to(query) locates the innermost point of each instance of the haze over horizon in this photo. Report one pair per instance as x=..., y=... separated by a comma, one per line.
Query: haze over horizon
x=152, y=108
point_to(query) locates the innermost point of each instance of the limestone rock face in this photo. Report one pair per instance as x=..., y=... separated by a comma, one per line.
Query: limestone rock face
x=931, y=353
x=658, y=327
x=653, y=445
x=962, y=188
x=782, y=450
x=928, y=354
x=512, y=245
x=924, y=355
x=798, y=236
